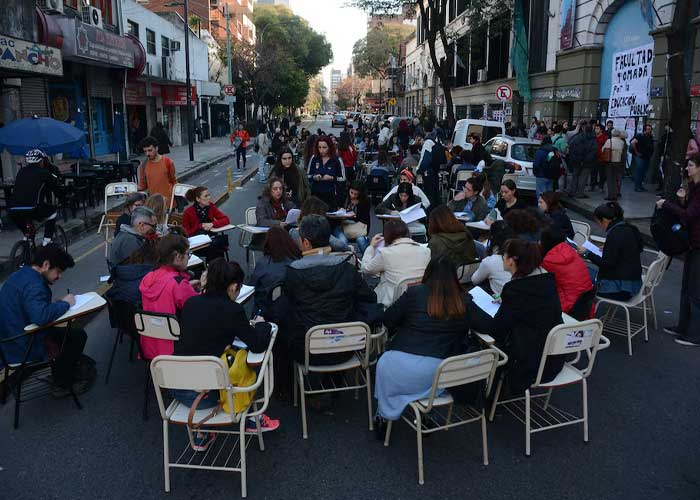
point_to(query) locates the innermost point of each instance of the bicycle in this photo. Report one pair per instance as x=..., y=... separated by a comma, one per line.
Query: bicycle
x=22, y=251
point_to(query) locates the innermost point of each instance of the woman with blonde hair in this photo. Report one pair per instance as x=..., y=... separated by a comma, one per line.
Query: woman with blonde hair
x=156, y=202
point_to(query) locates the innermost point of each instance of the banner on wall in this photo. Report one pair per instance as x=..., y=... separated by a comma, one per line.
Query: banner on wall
x=629, y=85
x=566, y=28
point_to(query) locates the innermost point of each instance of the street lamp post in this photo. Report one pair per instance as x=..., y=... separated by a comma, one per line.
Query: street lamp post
x=188, y=82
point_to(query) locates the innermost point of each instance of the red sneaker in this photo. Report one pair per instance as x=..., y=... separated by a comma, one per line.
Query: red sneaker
x=267, y=424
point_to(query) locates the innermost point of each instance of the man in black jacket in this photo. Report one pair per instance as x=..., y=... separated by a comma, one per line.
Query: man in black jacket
x=583, y=153
x=321, y=288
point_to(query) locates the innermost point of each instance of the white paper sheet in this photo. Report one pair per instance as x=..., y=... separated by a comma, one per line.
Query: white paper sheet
x=253, y=358
x=338, y=213
x=80, y=300
x=412, y=213
x=194, y=261
x=246, y=291
x=254, y=229
x=222, y=229
x=593, y=248
x=484, y=301
x=292, y=216
x=199, y=240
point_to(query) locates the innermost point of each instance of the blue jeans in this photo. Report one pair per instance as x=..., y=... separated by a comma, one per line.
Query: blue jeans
x=542, y=184
x=187, y=398
x=362, y=242
x=240, y=153
x=640, y=171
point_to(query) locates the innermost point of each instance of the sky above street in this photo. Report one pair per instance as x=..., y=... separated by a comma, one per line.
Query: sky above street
x=342, y=25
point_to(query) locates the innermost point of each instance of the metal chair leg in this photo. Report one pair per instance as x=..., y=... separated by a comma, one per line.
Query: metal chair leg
x=145, y=392
x=111, y=358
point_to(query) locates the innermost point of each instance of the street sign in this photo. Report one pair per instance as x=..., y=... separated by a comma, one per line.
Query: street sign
x=439, y=100
x=392, y=101
x=504, y=93
x=229, y=90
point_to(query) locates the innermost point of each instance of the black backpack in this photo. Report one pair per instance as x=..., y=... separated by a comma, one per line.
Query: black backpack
x=552, y=169
x=670, y=237
x=438, y=157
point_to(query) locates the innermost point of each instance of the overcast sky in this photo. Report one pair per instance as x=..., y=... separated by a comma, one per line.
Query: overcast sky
x=343, y=26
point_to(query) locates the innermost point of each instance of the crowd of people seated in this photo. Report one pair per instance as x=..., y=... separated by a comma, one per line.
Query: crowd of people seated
x=526, y=263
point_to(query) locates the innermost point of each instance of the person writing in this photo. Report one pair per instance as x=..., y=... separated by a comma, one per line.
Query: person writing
x=491, y=274
x=357, y=204
x=620, y=267
x=407, y=176
x=201, y=217
x=401, y=200
x=26, y=298
x=687, y=208
x=394, y=256
x=273, y=204
x=212, y=321
x=529, y=309
x=431, y=321
x=166, y=289
x=157, y=173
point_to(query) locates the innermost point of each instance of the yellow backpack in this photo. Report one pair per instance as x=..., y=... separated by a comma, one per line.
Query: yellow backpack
x=240, y=375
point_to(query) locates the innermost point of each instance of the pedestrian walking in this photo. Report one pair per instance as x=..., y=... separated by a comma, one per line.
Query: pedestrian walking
x=642, y=147
x=157, y=172
x=239, y=140
x=687, y=208
x=598, y=170
x=161, y=136
x=614, y=155
x=583, y=152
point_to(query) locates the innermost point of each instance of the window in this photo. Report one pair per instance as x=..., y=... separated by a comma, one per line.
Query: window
x=537, y=23
x=499, y=46
x=523, y=152
x=497, y=147
x=164, y=46
x=478, y=54
x=132, y=28
x=150, y=41
x=462, y=62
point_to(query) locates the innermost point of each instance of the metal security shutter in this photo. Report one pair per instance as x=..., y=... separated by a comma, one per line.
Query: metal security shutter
x=100, y=83
x=32, y=96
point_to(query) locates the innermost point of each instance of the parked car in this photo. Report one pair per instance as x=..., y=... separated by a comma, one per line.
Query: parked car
x=486, y=129
x=518, y=153
x=338, y=120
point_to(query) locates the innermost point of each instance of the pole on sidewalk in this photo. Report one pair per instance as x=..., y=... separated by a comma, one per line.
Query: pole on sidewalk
x=228, y=63
x=190, y=121
x=229, y=180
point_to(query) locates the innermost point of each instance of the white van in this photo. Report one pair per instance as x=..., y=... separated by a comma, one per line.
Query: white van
x=486, y=129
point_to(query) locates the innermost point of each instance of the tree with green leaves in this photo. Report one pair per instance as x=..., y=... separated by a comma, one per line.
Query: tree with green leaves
x=433, y=19
x=372, y=55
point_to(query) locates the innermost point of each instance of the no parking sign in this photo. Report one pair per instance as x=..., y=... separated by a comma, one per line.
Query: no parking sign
x=504, y=93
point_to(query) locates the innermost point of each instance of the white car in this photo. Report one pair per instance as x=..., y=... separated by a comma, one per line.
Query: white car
x=518, y=153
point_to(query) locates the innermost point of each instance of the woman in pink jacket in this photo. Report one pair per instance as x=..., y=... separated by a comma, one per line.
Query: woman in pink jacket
x=166, y=289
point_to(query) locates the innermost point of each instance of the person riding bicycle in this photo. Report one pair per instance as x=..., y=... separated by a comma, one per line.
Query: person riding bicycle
x=31, y=197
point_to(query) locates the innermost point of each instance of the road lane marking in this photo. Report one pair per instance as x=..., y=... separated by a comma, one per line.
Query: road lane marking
x=89, y=252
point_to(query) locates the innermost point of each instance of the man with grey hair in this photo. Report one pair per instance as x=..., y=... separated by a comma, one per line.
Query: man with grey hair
x=323, y=288
x=132, y=237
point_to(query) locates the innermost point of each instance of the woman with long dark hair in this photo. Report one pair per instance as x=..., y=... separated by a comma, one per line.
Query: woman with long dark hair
x=279, y=250
x=273, y=204
x=296, y=183
x=356, y=229
x=687, y=209
x=509, y=198
x=449, y=238
x=550, y=204
x=325, y=171
x=431, y=323
x=201, y=217
x=620, y=266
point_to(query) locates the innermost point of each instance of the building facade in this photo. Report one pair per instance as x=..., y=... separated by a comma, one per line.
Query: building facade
x=570, y=63
x=336, y=78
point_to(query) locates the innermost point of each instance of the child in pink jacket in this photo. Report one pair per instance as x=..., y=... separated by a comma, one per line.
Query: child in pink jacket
x=166, y=289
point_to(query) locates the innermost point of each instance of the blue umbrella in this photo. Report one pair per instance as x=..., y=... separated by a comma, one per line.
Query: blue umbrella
x=49, y=135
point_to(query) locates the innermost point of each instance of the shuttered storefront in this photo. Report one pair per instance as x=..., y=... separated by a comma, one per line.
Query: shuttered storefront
x=32, y=95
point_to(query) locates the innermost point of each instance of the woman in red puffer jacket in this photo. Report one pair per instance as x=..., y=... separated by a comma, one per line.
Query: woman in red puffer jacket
x=567, y=266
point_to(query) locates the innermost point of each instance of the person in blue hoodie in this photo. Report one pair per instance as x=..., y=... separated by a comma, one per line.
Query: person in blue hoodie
x=540, y=166
x=25, y=298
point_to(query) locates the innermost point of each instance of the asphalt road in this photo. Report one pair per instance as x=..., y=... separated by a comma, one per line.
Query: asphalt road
x=644, y=432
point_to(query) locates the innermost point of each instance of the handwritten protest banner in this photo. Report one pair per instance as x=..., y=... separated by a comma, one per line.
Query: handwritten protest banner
x=631, y=77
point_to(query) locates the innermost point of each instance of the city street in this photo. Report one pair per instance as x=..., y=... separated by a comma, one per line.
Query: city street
x=643, y=428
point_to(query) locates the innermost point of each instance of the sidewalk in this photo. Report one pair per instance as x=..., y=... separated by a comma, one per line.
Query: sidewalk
x=638, y=207
x=214, y=152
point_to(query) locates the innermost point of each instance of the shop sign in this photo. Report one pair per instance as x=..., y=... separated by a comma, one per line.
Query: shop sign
x=135, y=94
x=568, y=93
x=695, y=90
x=100, y=45
x=542, y=95
x=22, y=55
x=177, y=96
x=631, y=78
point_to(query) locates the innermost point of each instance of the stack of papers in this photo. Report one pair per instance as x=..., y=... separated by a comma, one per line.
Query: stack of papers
x=254, y=229
x=412, y=213
x=588, y=245
x=221, y=229
x=199, y=240
x=484, y=301
x=80, y=301
x=194, y=261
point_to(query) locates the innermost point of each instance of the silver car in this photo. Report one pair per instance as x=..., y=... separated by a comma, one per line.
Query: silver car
x=518, y=153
